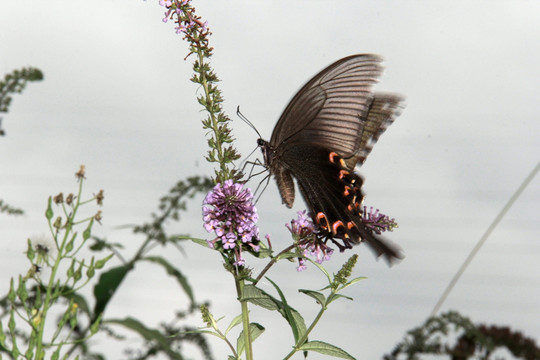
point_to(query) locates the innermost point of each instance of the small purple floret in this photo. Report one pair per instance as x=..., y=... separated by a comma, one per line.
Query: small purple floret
x=306, y=235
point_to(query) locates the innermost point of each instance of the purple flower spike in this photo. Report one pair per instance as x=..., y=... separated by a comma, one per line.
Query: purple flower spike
x=228, y=211
x=378, y=222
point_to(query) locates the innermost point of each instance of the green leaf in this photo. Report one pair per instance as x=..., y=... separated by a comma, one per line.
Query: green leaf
x=326, y=349
x=334, y=297
x=287, y=255
x=260, y=298
x=201, y=242
x=237, y=320
x=287, y=312
x=202, y=331
x=255, y=330
x=323, y=270
x=319, y=297
x=354, y=281
x=171, y=270
x=106, y=287
x=148, y=334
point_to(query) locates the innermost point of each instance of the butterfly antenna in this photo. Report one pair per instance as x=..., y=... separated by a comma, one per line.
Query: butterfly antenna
x=244, y=119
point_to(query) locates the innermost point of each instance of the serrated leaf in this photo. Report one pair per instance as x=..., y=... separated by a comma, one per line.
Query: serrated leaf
x=255, y=330
x=237, y=320
x=326, y=349
x=174, y=272
x=149, y=334
x=319, y=297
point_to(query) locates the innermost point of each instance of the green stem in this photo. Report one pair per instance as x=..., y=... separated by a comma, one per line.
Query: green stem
x=245, y=318
x=40, y=353
x=210, y=110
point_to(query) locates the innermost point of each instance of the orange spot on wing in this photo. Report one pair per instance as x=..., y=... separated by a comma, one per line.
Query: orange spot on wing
x=320, y=216
x=336, y=225
x=343, y=173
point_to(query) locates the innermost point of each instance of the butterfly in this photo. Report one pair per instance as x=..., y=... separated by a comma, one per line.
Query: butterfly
x=327, y=129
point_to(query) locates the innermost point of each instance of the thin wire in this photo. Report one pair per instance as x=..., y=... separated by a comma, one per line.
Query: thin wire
x=484, y=237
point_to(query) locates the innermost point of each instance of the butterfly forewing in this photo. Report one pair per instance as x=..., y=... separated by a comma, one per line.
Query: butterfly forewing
x=327, y=128
x=328, y=108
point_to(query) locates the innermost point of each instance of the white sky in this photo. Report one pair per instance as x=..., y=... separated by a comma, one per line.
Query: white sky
x=117, y=98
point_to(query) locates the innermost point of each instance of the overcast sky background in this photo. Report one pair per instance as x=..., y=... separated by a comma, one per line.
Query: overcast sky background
x=117, y=98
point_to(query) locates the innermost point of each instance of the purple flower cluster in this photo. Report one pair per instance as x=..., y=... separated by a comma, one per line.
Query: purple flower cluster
x=306, y=235
x=378, y=222
x=228, y=211
x=183, y=13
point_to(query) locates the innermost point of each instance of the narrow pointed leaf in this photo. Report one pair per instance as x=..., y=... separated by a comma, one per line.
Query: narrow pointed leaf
x=334, y=297
x=353, y=281
x=237, y=320
x=320, y=298
x=148, y=334
x=287, y=312
x=258, y=297
x=323, y=270
x=326, y=349
x=255, y=331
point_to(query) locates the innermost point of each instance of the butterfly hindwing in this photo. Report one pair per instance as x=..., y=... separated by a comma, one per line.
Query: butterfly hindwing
x=334, y=196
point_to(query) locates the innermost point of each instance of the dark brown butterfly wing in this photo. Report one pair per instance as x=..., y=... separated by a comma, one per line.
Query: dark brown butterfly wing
x=334, y=196
x=334, y=113
x=331, y=108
